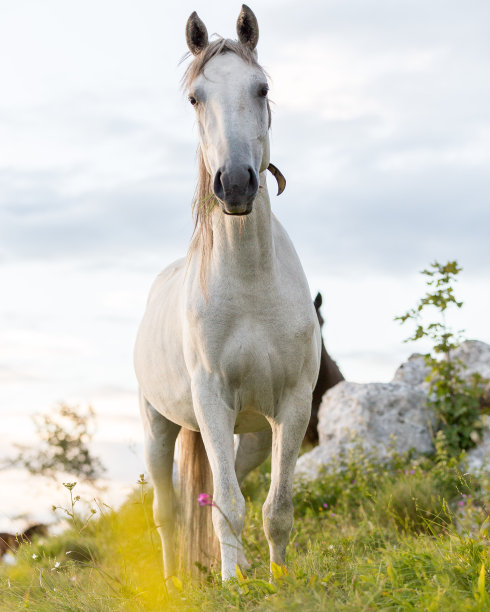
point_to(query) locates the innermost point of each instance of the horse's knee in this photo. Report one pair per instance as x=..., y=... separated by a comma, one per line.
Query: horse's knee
x=164, y=506
x=278, y=520
x=162, y=515
x=229, y=512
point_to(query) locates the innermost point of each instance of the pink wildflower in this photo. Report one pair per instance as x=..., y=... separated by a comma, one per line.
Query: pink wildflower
x=205, y=500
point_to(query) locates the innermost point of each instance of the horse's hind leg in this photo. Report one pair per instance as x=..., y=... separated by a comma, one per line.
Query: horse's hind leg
x=253, y=449
x=160, y=436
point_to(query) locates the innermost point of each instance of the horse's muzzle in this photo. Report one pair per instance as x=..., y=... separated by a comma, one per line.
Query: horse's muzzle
x=236, y=187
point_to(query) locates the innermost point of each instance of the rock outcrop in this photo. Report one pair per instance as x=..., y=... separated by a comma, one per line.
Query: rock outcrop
x=475, y=355
x=377, y=415
x=381, y=416
x=413, y=372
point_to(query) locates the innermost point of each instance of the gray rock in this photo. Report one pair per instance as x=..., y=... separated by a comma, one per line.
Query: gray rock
x=378, y=415
x=371, y=414
x=479, y=457
x=413, y=372
x=476, y=357
x=474, y=354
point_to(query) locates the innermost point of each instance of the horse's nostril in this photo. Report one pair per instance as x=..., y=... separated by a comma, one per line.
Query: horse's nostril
x=218, y=185
x=253, y=183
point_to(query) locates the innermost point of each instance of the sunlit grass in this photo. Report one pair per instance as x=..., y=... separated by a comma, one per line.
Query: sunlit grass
x=411, y=535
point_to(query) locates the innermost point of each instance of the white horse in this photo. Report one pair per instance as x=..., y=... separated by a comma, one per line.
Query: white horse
x=230, y=342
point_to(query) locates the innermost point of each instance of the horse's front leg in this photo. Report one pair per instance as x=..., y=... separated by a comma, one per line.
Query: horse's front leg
x=216, y=421
x=288, y=430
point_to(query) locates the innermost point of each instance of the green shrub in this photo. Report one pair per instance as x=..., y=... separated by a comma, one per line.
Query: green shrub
x=456, y=401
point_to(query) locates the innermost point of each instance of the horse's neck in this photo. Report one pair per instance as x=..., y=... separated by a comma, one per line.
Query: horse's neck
x=244, y=245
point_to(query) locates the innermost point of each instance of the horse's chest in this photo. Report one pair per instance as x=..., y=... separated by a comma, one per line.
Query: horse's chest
x=258, y=357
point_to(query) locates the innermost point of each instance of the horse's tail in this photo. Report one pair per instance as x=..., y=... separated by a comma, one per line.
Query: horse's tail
x=198, y=543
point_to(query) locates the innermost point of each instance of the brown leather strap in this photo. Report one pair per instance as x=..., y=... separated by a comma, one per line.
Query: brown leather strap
x=281, y=181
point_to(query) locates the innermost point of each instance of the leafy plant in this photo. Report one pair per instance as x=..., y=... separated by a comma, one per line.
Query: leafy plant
x=455, y=399
x=65, y=435
x=413, y=494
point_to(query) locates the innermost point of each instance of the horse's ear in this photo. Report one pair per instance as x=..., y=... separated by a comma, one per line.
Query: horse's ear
x=247, y=27
x=196, y=34
x=318, y=300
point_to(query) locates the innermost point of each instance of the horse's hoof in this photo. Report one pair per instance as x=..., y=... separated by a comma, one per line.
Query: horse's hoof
x=243, y=562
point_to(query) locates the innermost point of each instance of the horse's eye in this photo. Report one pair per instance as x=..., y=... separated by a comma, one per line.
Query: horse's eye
x=263, y=91
x=192, y=100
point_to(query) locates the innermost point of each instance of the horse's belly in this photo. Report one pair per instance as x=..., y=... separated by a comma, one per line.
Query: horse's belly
x=249, y=421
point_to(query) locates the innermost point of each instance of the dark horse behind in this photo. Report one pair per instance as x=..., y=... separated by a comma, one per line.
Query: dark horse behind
x=328, y=376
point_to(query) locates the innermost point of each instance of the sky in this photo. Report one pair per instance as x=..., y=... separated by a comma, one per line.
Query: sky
x=381, y=125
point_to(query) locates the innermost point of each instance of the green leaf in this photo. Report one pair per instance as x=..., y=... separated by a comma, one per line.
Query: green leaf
x=482, y=595
x=177, y=583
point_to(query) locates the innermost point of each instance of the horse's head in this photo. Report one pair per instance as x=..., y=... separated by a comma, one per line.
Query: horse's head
x=228, y=89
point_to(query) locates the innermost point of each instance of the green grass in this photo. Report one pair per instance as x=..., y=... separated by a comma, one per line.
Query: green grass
x=408, y=535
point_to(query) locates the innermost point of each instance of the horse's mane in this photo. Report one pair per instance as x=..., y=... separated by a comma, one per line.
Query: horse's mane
x=204, y=201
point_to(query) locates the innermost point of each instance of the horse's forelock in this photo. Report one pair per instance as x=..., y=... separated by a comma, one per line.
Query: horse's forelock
x=216, y=47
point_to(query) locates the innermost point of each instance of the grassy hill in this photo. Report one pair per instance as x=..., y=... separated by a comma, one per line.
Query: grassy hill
x=408, y=535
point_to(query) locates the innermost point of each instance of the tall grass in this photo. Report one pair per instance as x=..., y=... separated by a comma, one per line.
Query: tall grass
x=411, y=534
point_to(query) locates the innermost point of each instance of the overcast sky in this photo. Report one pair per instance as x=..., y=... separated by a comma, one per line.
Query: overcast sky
x=381, y=125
